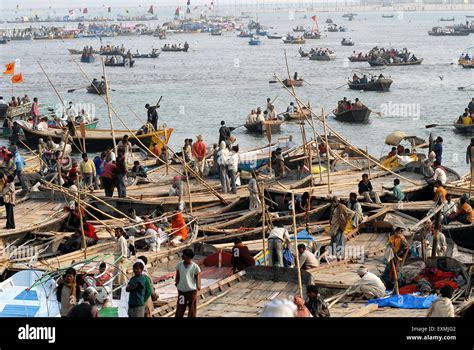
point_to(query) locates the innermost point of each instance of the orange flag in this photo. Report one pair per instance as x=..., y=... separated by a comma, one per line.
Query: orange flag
x=9, y=68
x=17, y=78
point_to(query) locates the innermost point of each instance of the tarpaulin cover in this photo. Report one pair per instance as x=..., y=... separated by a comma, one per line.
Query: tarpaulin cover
x=407, y=301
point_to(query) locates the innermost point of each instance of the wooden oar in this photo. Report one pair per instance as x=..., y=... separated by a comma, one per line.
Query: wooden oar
x=463, y=87
x=340, y=86
x=273, y=82
x=72, y=90
x=436, y=125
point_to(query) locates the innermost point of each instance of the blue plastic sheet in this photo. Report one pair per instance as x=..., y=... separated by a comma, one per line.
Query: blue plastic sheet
x=405, y=301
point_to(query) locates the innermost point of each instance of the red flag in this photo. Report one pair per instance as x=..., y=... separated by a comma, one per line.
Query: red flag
x=150, y=10
x=314, y=18
x=85, y=10
x=9, y=68
x=17, y=78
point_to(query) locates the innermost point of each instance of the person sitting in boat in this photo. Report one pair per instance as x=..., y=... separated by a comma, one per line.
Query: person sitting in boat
x=381, y=76
x=358, y=103
x=179, y=229
x=272, y=113
x=464, y=214
x=84, y=117
x=392, y=153
x=138, y=169
x=291, y=108
x=449, y=207
x=295, y=76
x=43, y=124
x=260, y=116
x=396, y=194
x=405, y=157
x=364, y=79
x=355, y=78
x=252, y=117
x=439, y=174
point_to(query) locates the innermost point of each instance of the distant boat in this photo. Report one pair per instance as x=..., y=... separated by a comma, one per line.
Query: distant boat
x=447, y=19
x=255, y=41
x=387, y=16
x=269, y=36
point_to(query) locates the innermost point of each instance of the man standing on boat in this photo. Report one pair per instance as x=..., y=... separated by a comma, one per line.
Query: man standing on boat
x=224, y=133
x=340, y=217
x=121, y=172
x=438, y=149
x=276, y=238
x=199, y=153
x=34, y=113
x=152, y=115
x=188, y=283
x=470, y=159
x=120, y=254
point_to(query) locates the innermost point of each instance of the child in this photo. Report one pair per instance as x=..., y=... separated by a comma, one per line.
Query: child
x=138, y=292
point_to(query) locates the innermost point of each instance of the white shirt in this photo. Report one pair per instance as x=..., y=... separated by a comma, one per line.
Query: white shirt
x=369, y=279
x=260, y=117
x=442, y=245
x=449, y=208
x=233, y=162
x=440, y=175
x=280, y=233
x=404, y=160
x=308, y=260
x=291, y=109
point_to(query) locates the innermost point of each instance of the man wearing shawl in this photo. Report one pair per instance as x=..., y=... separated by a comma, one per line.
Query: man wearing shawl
x=394, y=253
x=340, y=216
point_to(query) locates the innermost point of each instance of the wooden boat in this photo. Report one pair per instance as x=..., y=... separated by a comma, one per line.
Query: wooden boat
x=4, y=41
x=299, y=29
x=96, y=140
x=312, y=35
x=297, y=115
x=355, y=115
x=96, y=90
x=329, y=57
x=345, y=42
x=292, y=82
x=254, y=41
x=461, y=234
x=216, y=32
x=440, y=31
x=292, y=40
x=256, y=158
x=87, y=59
x=387, y=16
x=261, y=127
x=445, y=19
x=469, y=65
x=120, y=64
x=79, y=52
x=36, y=213
x=112, y=53
x=147, y=55
x=274, y=36
x=385, y=63
x=244, y=34
x=302, y=53
x=88, y=126
x=174, y=49
x=463, y=129
x=358, y=59
x=381, y=84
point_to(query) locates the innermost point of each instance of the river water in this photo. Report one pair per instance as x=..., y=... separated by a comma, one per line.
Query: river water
x=223, y=78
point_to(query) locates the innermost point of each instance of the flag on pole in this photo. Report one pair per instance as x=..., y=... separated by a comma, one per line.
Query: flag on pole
x=150, y=10
x=85, y=10
x=176, y=12
x=17, y=78
x=9, y=68
x=314, y=18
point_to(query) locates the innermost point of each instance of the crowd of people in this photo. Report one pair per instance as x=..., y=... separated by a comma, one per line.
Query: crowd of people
x=87, y=52
x=391, y=56
x=347, y=105
x=256, y=115
x=318, y=52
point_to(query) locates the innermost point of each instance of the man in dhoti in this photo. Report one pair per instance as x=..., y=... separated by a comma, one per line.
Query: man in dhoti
x=369, y=285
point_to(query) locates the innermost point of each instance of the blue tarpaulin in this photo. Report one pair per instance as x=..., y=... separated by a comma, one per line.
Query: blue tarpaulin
x=405, y=301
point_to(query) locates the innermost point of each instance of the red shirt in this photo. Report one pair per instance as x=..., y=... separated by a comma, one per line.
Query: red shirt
x=89, y=231
x=109, y=171
x=72, y=174
x=199, y=150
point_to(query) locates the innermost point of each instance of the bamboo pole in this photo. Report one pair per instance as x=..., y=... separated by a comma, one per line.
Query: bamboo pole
x=295, y=232
x=84, y=243
x=395, y=276
x=263, y=225
x=327, y=151
x=109, y=111
x=368, y=159
x=189, y=186
x=345, y=142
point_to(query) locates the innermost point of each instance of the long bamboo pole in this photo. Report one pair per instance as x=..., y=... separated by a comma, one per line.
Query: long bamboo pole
x=84, y=243
x=327, y=151
x=295, y=232
x=109, y=111
x=188, y=186
x=263, y=225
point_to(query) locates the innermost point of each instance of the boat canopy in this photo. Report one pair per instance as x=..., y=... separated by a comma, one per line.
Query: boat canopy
x=396, y=137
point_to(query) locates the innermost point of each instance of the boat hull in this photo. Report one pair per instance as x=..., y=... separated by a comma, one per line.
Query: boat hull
x=462, y=235
x=379, y=64
x=261, y=128
x=378, y=85
x=354, y=116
